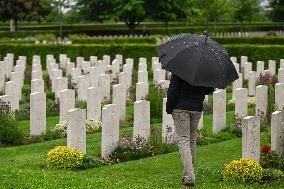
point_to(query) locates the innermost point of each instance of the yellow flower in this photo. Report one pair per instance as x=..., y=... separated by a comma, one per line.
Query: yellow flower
x=243, y=170
x=64, y=157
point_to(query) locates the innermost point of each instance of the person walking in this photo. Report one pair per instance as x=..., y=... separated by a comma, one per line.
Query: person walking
x=198, y=65
x=185, y=103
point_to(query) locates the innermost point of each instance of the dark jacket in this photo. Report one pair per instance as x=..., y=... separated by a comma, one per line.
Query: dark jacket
x=182, y=95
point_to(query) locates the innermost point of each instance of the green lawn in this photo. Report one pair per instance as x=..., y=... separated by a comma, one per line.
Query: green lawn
x=24, y=167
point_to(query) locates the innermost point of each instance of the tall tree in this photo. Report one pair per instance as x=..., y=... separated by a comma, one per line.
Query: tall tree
x=131, y=12
x=212, y=10
x=246, y=10
x=94, y=10
x=166, y=10
x=23, y=10
x=276, y=10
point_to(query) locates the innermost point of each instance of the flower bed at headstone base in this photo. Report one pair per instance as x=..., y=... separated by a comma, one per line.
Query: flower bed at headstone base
x=247, y=170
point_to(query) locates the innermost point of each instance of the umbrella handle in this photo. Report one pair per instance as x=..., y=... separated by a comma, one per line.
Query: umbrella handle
x=161, y=57
x=206, y=34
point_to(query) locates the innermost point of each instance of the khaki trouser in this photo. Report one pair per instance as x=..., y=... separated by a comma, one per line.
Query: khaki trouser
x=186, y=124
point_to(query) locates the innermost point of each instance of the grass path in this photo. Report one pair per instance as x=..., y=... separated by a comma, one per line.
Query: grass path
x=24, y=167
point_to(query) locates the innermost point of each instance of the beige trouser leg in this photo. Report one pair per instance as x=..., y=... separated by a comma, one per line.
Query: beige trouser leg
x=186, y=124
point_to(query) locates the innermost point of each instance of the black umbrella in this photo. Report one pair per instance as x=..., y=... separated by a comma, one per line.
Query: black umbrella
x=198, y=60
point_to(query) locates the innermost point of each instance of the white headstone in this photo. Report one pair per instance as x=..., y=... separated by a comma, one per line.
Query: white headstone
x=272, y=66
x=281, y=75
x=237, y=67
x=79, y=62
x=76, y=129
x=261, y=101
x=277, y=134
x=110, y=129
x=83, y=85
x=244, y=59
x=119, y=98
x=251, y=138
x=279, y=95
x=237, y=84
x=61, y=83
x=106, y=60
x=37, y=113
x=67, y=102
x=143, y=76
x=142, y=60
x=259, y=67
x=104, y=86
x=11, y=90
x=233, y=59
x=168, y=127
x=75, y=74
x=247, y=69
x=93, y=104
x=142, y=90
x=127, y=69
x=69, y=67
x=142, y=67
x=141, y=127
x=252, y=83
x=241, y=102
x=37, y=85
x=219, y=111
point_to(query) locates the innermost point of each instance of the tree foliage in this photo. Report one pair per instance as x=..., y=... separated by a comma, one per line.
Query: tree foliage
x=166, y=10
x=23, y=10
x=246, y=10
x=131, y=12
x=94, y=10
x=277, y=10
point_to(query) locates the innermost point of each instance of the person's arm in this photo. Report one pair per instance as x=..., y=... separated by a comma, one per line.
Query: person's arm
x=173, y=93
x=208, y=90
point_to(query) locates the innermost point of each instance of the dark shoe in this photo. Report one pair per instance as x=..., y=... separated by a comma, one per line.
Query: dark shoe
x=186, y=182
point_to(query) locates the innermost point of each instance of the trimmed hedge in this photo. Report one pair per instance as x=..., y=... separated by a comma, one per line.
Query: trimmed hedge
x=250, y=40
x=254, y=52
x=118, y=30
x=117, y=40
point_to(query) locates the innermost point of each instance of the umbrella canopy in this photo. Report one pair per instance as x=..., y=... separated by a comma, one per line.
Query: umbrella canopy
x=198, y=60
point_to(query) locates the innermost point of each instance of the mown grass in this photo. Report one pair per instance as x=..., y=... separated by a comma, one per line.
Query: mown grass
x=25, y=167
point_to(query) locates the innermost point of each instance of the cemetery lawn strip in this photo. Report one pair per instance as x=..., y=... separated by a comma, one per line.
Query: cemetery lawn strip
x=24, y=167
x=50, y=123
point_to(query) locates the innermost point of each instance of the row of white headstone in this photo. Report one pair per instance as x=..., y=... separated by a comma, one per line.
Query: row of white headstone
x=12, y=79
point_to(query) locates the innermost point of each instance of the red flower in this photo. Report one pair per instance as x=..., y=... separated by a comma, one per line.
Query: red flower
x=266, y=150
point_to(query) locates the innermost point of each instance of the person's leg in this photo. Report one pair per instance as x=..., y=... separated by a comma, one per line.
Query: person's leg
x=182, y=125
x=194, y=120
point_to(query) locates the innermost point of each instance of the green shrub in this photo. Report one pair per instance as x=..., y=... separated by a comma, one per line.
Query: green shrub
x=271, y=175
x=271, y=160
x=243, y=170
x=81, y=104
x=250, y=40
x=93, y=162
x=155, y=96
x=10, y=131
x=63, y=157
x=47, y=37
